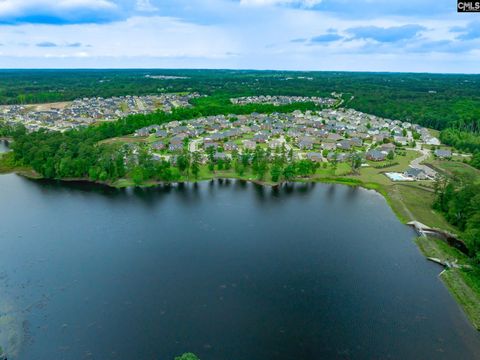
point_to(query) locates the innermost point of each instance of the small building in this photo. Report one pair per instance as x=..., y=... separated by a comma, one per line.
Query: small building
x=275, y=143
x=159, y=145
x=329, y=146
x=443, y=154
x=376, y=155
x=250, y=145
x=314, y=156
x=230, y=146
x=305, y=143
x=400, y=140
x=345, y=144
x=416, y=173
x=387, y=147
x=260, y=138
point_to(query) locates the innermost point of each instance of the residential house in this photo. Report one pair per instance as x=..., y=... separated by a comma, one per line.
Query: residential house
x=376, y=155
x=443, y=154
x=416, y=173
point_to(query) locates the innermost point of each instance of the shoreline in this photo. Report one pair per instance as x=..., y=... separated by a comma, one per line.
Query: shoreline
x=452, y=278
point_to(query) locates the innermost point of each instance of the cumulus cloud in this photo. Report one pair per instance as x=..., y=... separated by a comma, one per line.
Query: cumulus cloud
x=386, y=35
x=299, y=3
x=145, y=6
x=57, y=11
x=469, y=32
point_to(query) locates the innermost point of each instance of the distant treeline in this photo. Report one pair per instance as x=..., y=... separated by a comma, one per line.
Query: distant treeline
x=433, y=100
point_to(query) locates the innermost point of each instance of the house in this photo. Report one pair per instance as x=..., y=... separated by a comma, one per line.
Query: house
x=209, y=145
x=415, y=173
x=443, y=154
x=250, y=145
x=175, y=145
x=275, y=143
x=337, y=156
x=376, y=155
x=334, y=137
x=260, y=138
x=400, y=140
x=329, y=146
x=314, y=156
x=305, y=143
x=387, y=147
x=357, y=141
x=221, y=156
x=230, y=146
x=158, y=145
x=431, y=141
x=344, y=145
x=142, y=132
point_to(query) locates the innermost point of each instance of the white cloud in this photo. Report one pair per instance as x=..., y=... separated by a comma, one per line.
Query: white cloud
x=145, y=6
x=299, y=3
x=56, y=11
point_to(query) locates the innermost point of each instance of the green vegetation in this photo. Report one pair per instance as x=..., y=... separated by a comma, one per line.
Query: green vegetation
x=460, y=203
x=187, y=356
x=463, y=282
x=434, y=100
x=465, y=141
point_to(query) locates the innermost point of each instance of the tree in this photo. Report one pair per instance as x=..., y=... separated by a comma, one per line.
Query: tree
x=276, y=172
x=183, y=162
x=391, y=155
x=195, y=167
x=289, y=172
x=356, y=162
x=187, y=356
x=334, y=163
x=211, y=158
x=137, y=175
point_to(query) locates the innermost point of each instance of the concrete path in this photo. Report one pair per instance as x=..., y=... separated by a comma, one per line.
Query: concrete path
x=417, y=162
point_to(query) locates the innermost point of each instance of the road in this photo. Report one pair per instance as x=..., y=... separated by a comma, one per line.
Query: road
x=417, y=162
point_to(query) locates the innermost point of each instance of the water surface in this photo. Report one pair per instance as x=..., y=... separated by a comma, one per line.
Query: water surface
x=227, y=270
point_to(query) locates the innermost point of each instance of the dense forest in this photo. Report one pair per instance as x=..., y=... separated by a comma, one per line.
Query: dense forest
x=459, y=201
x=434, y=100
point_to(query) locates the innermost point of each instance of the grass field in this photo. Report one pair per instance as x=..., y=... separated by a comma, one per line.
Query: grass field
x=455, y=168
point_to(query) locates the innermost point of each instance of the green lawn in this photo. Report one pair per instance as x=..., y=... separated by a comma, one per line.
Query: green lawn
x=455, y=168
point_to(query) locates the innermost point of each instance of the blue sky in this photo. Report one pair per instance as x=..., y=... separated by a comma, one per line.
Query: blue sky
x=352, y=35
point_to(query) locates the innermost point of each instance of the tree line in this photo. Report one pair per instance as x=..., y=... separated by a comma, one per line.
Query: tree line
x=459, y=201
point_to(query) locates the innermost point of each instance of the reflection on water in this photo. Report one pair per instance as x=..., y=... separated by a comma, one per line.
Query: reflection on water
x=225, y=269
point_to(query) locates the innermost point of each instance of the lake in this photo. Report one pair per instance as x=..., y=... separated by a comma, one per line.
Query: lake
x=224, y=269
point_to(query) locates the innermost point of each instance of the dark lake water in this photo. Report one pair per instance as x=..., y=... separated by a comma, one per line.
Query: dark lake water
x=229, y=271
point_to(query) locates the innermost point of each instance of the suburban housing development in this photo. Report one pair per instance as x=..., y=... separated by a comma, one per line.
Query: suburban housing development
x=86, y=111
x=329, y=135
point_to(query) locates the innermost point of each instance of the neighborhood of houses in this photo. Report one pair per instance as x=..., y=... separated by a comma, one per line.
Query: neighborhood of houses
x=330, y=135
x=281, y=100
x=83, y=112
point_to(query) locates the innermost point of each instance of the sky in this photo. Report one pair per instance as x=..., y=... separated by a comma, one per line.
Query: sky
x=331, y=35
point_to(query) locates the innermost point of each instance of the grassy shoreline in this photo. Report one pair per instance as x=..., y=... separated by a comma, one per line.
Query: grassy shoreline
x=402, y=198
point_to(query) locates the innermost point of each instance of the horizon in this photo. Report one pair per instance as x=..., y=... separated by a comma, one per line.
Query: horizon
x=239, y=70
x=283, y=35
